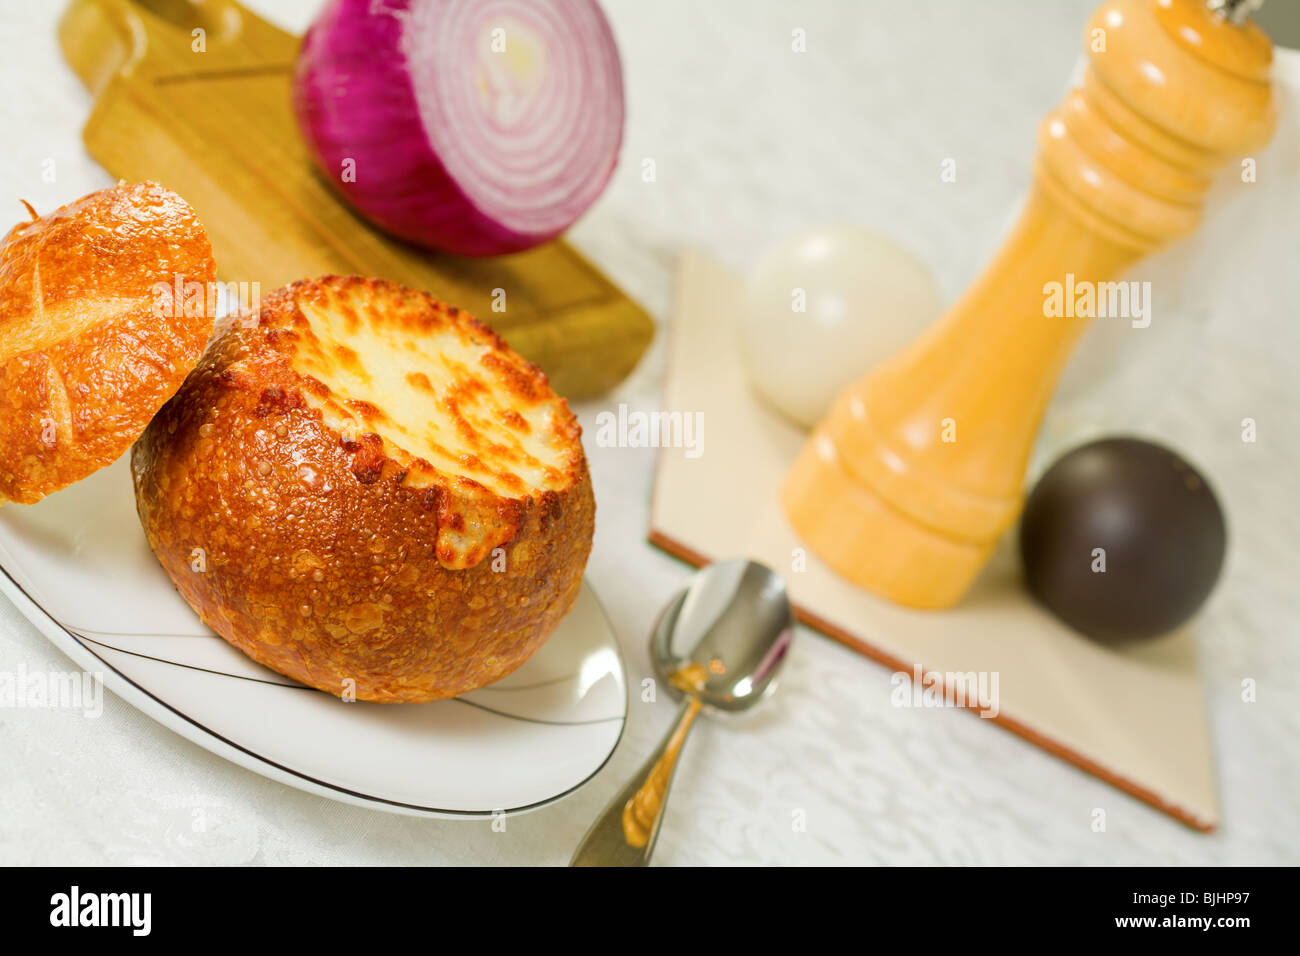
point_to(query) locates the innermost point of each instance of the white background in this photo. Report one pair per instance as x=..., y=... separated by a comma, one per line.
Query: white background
x=751, y=142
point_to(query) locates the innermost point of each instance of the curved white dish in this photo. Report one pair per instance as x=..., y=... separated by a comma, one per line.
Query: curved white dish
x=78, y=566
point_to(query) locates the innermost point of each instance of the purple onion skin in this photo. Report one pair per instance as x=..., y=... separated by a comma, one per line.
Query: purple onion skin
x=352, y=103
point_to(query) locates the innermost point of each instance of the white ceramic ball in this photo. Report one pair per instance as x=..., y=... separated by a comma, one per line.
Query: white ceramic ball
x=863, y=298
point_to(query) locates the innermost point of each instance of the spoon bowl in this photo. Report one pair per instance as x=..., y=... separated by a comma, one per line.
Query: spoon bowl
x=724, y=636
x=718, y=645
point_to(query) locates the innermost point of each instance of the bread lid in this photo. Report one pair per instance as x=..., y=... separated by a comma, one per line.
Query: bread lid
x=93, y=337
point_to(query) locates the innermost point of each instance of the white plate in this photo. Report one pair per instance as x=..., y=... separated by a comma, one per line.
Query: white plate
x=78, y=566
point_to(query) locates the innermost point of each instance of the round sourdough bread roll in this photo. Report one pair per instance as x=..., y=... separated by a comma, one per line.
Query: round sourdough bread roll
x=368, y=491
x=92, y=339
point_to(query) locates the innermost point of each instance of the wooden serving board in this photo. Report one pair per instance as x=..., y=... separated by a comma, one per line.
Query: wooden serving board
x=217, y=127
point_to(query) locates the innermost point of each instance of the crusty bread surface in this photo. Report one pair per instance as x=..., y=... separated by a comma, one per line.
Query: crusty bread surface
x=368, y=491
x=89, y=348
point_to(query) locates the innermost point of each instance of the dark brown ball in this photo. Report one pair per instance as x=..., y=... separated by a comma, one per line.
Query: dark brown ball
x=1158, y=525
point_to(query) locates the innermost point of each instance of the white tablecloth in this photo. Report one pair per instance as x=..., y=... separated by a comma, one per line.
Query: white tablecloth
x=751, y=141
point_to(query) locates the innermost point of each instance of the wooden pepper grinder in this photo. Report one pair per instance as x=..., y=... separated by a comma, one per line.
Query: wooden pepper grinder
x=916, y=471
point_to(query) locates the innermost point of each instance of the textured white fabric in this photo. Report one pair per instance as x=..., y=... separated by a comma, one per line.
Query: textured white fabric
x=751, y=142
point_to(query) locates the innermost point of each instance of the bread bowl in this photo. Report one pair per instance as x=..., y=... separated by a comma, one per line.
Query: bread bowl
x=366, y=490
x=92, y=342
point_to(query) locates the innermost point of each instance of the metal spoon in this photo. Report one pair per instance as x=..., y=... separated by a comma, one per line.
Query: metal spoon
x=718, y=644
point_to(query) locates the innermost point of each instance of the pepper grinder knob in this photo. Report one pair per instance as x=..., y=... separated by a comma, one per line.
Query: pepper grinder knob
x=1235, y=11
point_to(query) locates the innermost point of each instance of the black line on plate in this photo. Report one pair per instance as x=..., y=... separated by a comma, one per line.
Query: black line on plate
x=188, y=667
x=545, y=683
x=310, y=779
x=90, y=630
x=317, y=690
x=536, y=720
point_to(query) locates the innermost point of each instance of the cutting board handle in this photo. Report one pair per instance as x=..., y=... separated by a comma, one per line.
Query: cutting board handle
x=101, y=38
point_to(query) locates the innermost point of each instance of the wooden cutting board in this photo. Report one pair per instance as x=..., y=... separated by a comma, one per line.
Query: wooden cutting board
x=217, y=126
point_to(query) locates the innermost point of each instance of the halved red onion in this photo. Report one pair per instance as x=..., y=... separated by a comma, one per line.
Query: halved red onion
x=477, y=127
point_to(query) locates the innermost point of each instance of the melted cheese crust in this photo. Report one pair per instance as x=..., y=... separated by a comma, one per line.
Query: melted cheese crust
x=444, y=393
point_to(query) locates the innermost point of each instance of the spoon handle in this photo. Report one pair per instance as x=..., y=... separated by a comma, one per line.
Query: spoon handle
x=625, y=833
